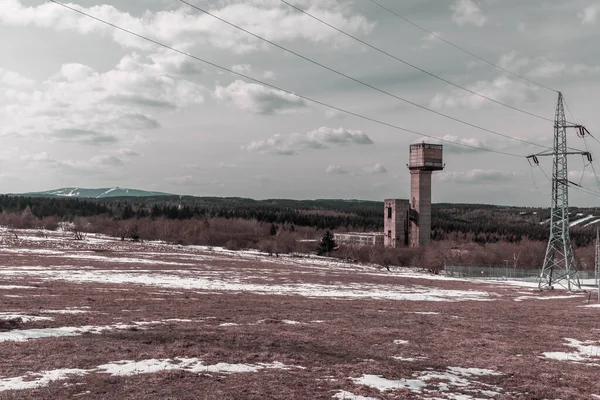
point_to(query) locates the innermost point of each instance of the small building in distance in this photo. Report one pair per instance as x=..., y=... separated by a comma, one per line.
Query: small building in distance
x=359, y=239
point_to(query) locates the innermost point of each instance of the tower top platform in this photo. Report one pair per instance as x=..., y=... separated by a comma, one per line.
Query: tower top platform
x=426, y=157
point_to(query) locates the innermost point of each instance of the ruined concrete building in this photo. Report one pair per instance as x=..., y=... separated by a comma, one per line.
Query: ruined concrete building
x=408, y=222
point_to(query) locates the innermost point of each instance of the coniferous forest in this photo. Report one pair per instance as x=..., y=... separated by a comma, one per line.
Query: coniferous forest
x=478, y=223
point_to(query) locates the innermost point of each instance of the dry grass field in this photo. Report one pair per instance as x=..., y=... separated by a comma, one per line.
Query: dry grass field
x=105, y=319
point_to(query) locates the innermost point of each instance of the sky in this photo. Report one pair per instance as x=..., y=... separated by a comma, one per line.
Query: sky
x=85, y=105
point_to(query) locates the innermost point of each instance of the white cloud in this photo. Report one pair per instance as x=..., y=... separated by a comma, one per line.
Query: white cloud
x=128, y=152
x=551, y=69
x=467, y=12
x=513, y=62
x=428, y=40
x=14, y=79
x=242, y=68
x=321, y=138
x=81, y=104
x=270, y=19
x=96, y=164
x=589, y=15
x=579, y=176
x=259, y=99
x=461, y=144
x=541, y=67
x=376, y=169
x=335, y=169
x=478, y=176
x=502, y=89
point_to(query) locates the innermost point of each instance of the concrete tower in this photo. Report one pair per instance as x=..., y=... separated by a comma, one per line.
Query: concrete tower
x=424, y=159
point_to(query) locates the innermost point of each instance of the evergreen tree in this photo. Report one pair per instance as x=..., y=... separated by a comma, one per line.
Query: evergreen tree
x=327, y=244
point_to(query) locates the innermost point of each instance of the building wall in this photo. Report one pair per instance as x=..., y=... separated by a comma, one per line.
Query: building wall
x=358, y=239
x=396, y=223
x=420, y=192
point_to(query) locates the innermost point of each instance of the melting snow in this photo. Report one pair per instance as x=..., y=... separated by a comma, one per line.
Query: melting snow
x=32, y=381
x=28, y=334
x=442, y=381
x=424, y=312
x=129, y=367
x=24, y=318
x=383, y=384
x=579, y=221
x=176, y=281
x=400, y=358
x=16, y=287
x=521, y=298
x=584, y=351
x=343, y=395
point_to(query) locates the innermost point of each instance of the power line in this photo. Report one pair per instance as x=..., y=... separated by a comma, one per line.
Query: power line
x=584, y=190
x=367, y=118
x=358, y=80
x=416, y=67
x=462, y=48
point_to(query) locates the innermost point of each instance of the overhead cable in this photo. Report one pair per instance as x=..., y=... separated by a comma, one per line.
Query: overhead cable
x=359, y=81
x=433, y=34
x=414, y=66
x=258, y=81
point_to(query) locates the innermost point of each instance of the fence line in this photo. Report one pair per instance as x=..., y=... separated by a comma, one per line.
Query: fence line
x=501, y=273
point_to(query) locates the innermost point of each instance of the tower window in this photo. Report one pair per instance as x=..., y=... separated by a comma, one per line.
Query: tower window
x=389, y=212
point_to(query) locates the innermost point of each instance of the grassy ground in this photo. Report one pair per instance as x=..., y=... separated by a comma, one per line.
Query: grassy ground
x=331, y=324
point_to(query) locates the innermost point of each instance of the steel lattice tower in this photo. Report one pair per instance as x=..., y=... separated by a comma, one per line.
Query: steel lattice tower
x=559, y=264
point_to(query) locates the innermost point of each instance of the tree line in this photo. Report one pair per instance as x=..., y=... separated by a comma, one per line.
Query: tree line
x=482, y=224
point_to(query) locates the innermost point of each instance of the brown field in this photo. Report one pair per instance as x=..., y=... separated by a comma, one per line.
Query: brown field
x=154, y=321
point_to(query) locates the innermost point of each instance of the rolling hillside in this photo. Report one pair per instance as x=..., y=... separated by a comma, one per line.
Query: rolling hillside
x=95, y=193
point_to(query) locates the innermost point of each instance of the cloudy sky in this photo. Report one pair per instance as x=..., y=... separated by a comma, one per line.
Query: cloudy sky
x=82, y=104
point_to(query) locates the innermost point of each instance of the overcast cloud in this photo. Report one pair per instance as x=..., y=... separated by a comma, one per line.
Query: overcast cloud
x=83, y=104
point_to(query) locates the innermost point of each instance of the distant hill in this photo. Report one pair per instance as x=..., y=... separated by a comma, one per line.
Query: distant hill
x=95, y=193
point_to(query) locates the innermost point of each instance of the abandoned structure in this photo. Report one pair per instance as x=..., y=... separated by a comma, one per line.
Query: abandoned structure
x=408, y=222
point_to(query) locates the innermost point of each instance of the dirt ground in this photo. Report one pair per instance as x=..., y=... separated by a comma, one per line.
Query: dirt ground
x=104, y=319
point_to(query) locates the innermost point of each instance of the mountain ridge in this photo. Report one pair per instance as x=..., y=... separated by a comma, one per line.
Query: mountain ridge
x=98, y=193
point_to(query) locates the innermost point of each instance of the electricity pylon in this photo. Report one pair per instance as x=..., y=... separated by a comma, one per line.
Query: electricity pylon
x=560, y=266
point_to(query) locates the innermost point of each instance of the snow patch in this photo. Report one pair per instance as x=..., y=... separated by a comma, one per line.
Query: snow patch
x=24, y=317
x=168, y=279
x=129, y=368
x=585, y=351
x=453, y=377
x=579, y=221
x=343, y=395
x=400, y=341
x=424, y=312
x=8, y=287
x=521, y=298
x=410, y=359
x=29, y=334
x=37, y=380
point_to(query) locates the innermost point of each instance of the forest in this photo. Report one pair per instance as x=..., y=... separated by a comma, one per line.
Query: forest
x=287, y=225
